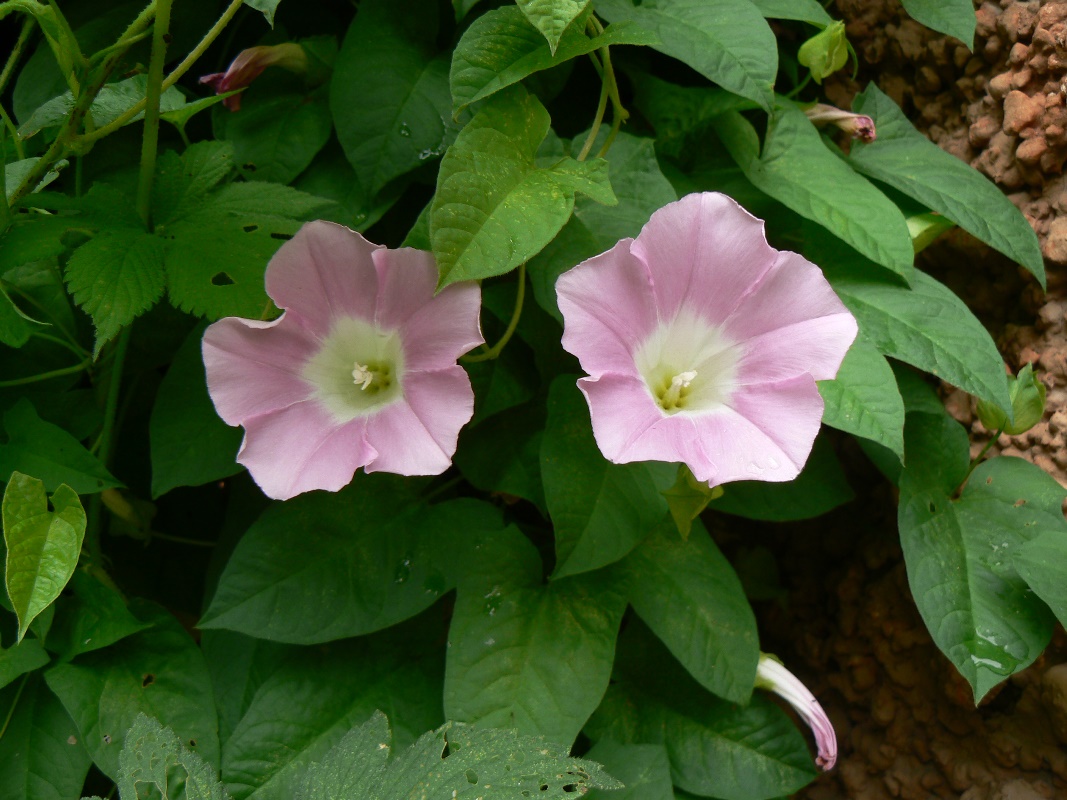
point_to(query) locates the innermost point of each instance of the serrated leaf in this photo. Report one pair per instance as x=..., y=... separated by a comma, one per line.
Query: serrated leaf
x=728, y=42
x=159, y=672
x=797, y=168
x=502, y=47
x=903, y=158
x=48, y=452
x=924, y=325
x=552, y=17
x=190, y=445
x=150, y=755
x=400, y=118
x=490, y=764
x=494, y=207
x=864, y=400
x=26, y=656
x=183, y=182
x=1042, y=562
x=959, y=551
x=42, y=753
x=640, y=188
x=599, y=510
x=217, y=254
x=799, y=10
x=526, y=655
x=952, y=17
x=312, y=697
x=715, y=748
x=689, y=595
x=115, y=277
x=378, y=557
x=42, y=545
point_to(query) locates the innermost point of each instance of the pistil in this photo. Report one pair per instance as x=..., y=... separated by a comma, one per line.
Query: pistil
x=671, y=399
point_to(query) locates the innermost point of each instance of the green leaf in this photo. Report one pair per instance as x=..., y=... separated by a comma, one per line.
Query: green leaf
x=799, y=170
x=180, y=117
x=42, y=545
x=799, y=10
x=490, y=764
x=552, y=17
x=315, y=696
x=190, y=444
x=150, y=755
x=528, y=655
x=26, y=656
x=503, y=453
x=715, y=748
x=39, y=448
x=926, y=326
x=728, y=42
x=864, y=400
x=94, y=617
x=820, y=487
x=265, y=7
x=494, y=207
x=115, y=277
x=217, y=251
x=599, y=510
x=183, y=182
x=158, y=672
x=15, y=173
x=826, y=52
x=15, y=327
x=689, y=595
x=114, y=100
x=42, y=753
x=238, y=665
x=952, y=17
x=377, y=557
x=903, y=158
x=644, y=769
x=279, y=129
x=959, y=552
x=1041, y=563
x=389, y=93
x=594, y=228
x=502, y=47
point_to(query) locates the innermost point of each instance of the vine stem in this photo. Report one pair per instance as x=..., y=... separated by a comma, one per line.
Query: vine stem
x=153, y=91
x=496, y=349
x=14, y=702
x=174, y=76
x=43, y=376
x=977, y=460
x=16, y=52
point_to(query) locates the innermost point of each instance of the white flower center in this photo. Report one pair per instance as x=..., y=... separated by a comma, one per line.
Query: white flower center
x=688, y=365
x=357, y=369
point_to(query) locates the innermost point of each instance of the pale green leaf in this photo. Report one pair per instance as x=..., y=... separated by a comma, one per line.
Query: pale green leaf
x=151, y=755
x=552, y=17
x=799, y=10
x=952, y=17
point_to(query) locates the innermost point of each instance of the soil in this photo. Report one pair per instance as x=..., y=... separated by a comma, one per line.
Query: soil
x=906, y=722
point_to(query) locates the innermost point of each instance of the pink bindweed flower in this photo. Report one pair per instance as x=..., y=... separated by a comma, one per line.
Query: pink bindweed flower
x=773, y=676
x=250, y=64
x=360, y=370
x=858, y=126
x=703, y=344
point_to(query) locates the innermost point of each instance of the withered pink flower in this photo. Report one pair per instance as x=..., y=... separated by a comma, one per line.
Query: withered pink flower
x=703, y=344
x=773, y=676
x=250, y=64
x=360, y=370
x=858, y=126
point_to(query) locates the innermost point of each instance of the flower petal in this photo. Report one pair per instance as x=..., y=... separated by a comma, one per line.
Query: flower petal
x=418, y=435
x=407, y=279
x=324, y=271
x=791, y=323
x=298, y=449
x=443, y=329
x=704, y=252
x=254, y=367
x=608, y=310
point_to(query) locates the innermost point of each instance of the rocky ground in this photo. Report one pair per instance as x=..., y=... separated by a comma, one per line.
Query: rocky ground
x=906, y=722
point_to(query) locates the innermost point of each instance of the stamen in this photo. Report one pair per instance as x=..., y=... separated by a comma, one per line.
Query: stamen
x=362, y=376
x=671, y=399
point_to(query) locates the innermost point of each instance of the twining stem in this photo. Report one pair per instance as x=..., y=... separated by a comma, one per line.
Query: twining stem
x=602, y=106
x=609, y=84
x=16, y=52
x=44, y=311
x=153, y=91
x=111, y=405
x=74, y=348
x=173, y=77
x=14, y=703
x=977, y=460
x=43, y=376
x=516, y=314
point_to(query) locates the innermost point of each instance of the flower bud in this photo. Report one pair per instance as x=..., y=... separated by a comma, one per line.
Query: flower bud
x=1027, y=405
x=772, y=675
x=250, y=64
x=858, y=126
x=825, y=52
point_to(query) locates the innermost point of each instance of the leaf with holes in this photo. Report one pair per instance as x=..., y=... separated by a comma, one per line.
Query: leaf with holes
x=150, y=755
x=495, y=207
x=43, y=545
x=960, y=551
x=217, y=251
x=454, y=761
